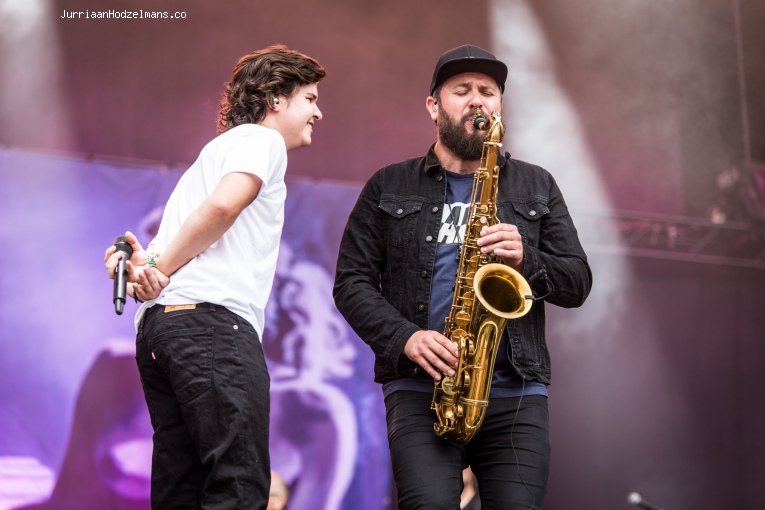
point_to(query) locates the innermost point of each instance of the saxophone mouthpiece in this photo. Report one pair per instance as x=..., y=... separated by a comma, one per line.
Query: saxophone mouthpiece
x=479, y=121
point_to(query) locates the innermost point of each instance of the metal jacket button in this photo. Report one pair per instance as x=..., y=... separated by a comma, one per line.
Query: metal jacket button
x=428, y=239
x=424, y=274
x=435, y=209
x=440, y=178
x=532, y=212
x=421, y=307
x=399, y=211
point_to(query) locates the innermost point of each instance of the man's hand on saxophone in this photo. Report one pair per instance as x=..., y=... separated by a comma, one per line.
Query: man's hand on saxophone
x=504, y=241
x=433, y=352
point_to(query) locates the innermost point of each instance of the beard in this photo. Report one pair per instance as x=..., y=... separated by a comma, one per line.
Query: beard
x=455, y=137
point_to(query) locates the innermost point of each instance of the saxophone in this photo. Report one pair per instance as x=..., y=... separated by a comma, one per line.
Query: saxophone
x=486, y=294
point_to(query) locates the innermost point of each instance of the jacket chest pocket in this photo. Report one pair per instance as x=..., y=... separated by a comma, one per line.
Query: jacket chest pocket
x=528, y=216
x=401, y=219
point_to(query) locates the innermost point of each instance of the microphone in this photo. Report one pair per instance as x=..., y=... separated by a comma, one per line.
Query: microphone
x=120, y=273
x=637, y=500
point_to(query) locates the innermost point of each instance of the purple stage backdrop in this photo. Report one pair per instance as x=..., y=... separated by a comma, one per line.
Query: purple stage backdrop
x=75, y=432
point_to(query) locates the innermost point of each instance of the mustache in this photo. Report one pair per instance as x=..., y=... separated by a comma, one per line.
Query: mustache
x=468, y=116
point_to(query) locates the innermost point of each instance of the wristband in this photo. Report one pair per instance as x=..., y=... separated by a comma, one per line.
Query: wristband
x=136, y=297
x=152, y=260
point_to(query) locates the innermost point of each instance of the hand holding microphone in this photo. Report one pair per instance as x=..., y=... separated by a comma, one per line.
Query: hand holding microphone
x=120, y=273
x=126, y=261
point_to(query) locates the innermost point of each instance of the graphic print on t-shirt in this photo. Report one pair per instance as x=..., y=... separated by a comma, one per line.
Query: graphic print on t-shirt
x=453, y=222
x=451, y=233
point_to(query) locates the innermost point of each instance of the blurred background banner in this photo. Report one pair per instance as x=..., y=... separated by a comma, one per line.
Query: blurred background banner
x=650, y=115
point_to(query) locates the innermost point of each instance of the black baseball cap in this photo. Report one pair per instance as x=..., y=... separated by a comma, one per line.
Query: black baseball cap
x=468, y=59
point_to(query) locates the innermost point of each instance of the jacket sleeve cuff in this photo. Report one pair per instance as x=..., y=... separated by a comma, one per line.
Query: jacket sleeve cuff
x=394, y=354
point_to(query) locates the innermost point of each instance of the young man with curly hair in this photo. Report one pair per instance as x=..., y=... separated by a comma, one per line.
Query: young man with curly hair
x=199, y=327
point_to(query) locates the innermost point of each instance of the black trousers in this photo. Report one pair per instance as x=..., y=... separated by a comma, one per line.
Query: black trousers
x=510, y=455
x=207, y=389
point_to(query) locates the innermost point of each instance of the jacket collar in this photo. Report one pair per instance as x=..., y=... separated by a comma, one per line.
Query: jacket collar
x=431, y=160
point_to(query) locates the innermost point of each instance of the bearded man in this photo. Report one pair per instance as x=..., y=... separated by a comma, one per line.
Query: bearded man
x=395, y=282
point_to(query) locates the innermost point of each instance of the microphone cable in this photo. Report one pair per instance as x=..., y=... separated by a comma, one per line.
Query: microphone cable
x=512, y=445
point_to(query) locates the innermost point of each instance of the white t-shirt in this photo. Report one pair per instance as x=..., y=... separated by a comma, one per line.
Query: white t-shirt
x=237, y=271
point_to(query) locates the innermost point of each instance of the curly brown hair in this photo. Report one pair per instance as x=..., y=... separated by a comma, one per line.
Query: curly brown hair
x=258, y=78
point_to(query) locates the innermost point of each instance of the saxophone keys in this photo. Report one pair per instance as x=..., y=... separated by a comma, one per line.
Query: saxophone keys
x=470, y=348
x=461, y=320
x=465, y=380
x=447, y=385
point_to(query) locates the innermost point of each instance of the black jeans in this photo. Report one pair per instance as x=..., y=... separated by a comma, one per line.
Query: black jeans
x=510, y=455
x=207, y=388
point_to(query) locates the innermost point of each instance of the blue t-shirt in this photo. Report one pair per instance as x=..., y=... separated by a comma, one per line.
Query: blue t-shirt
x=505, y=380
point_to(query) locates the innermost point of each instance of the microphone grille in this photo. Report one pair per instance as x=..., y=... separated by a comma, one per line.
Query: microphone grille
x=121, y=243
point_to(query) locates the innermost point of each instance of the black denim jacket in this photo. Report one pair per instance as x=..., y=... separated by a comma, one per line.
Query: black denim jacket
x=385, y=265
